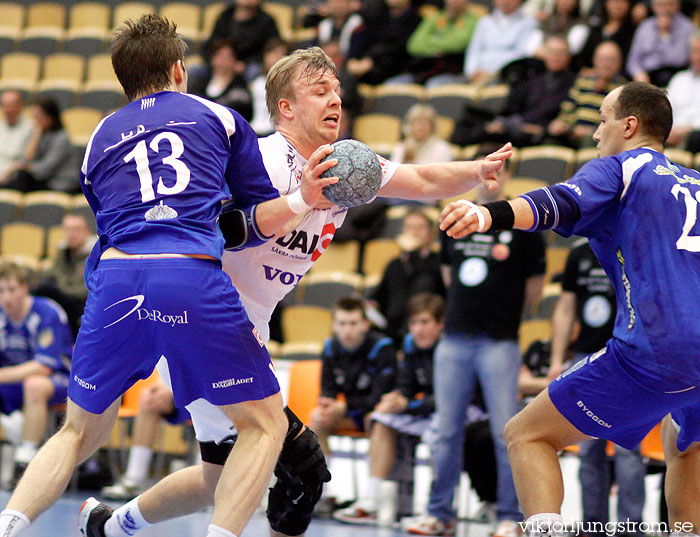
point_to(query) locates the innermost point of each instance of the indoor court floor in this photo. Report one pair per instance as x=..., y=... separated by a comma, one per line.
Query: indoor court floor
x=62, y=521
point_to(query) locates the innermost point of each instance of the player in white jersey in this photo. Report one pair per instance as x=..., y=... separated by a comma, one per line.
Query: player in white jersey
x=305, y=106
x=155, y=173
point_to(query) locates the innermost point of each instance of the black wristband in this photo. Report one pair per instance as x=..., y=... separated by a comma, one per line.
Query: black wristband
x=502, y=215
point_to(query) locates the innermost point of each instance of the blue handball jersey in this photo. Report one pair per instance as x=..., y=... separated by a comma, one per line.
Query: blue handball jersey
x=155, y=173
x=43, y=336
x=640, y=212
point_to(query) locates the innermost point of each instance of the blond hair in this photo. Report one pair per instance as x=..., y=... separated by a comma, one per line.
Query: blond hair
x=313, y=61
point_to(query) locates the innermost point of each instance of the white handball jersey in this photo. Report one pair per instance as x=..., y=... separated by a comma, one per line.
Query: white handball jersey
x=265, y=274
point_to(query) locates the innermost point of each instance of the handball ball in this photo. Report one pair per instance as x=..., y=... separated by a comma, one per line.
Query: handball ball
x=359, y=174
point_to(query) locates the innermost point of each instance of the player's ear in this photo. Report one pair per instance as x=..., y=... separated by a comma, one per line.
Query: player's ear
x=284, y=106
x=178, y=73
x=631, y=126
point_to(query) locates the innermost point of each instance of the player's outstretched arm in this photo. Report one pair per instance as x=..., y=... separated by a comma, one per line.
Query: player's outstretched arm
x=461, y=218
x=271, y=215
x=445, y=179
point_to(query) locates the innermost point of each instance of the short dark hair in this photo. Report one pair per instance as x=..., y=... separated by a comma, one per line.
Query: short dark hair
x=426, y=303
x=350, y=303
x=223, y=42
x=143, y=53
x=650, y=105
x=50, y=107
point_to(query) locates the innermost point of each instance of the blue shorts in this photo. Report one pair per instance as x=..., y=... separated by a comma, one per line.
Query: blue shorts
x=12, y=395
x=604, y=397
x=184, y=309
x=177, y=416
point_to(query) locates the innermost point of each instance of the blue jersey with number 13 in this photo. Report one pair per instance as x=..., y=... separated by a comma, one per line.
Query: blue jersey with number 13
x=156, y=171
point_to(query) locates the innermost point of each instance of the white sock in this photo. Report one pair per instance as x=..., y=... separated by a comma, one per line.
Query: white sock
x=372, y=491
x=139, y=464
x=545, y=523
x=126, y=520
x=25, y=451
x=12, y=523
x=218, y=531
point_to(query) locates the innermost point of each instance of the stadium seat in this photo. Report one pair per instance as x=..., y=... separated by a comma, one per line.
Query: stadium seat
x=188, y=17
x=20, y=71
x=209, y=15
x=494, y=98
x=283, y=15
x=583, y=156
x=130, y=10
x=697, y=161
x=519, y=185
x=22, y=238
x=549, y=163
x=323, y=289
x=100, y=74
x=395, y=99
x=45, y=28
x=11, y=24
x=449, y=100
x=300, y=350
x=393, y=221
x=556, y=262
x=304, y=387
x=445, y=126
x=532, y=330
x=306, y=323
x=10, y=201
x=88, y=28
x=339, y=256
x=62, y=78
x=377, y=129
x=80, y=122
x=45, y=208
x=679, y=156
x=545, y=306
x=376, y=255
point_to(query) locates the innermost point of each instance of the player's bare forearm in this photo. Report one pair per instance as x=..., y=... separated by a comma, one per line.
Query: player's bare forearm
x=445, y=179
x=272, y=215
x=458, y=222
x=17, y=373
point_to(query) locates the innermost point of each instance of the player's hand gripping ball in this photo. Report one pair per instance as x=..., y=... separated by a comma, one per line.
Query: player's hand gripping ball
x=359, y=174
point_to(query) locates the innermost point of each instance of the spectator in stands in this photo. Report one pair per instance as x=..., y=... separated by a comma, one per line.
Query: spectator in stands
x=274, y=50
x=247, y=24
x=15, y=132
x=660, y=44
x=421, y=144
x=358, y=363
x=49, y=161
x=225, y=83
x=532, y=105
x=490, y=277
x=500, y=37
x=405, y=410
x=683, y=92
x=579, y=113
x=378, y=47
x=416, y=270
x=565, y=19
x=64, y=281
x=616, y=24
x=588, y=299
x=155, y=403
x=35, y=351
x=340, y=22
x=439, y=43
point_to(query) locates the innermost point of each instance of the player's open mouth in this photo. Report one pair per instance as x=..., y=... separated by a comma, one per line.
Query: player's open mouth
x=332, y=119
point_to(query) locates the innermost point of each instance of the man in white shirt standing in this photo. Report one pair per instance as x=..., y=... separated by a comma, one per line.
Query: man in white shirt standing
x=15, y=131
x=683, y=90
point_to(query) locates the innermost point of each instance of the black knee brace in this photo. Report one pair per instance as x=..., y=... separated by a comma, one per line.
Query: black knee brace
x=301, y=472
